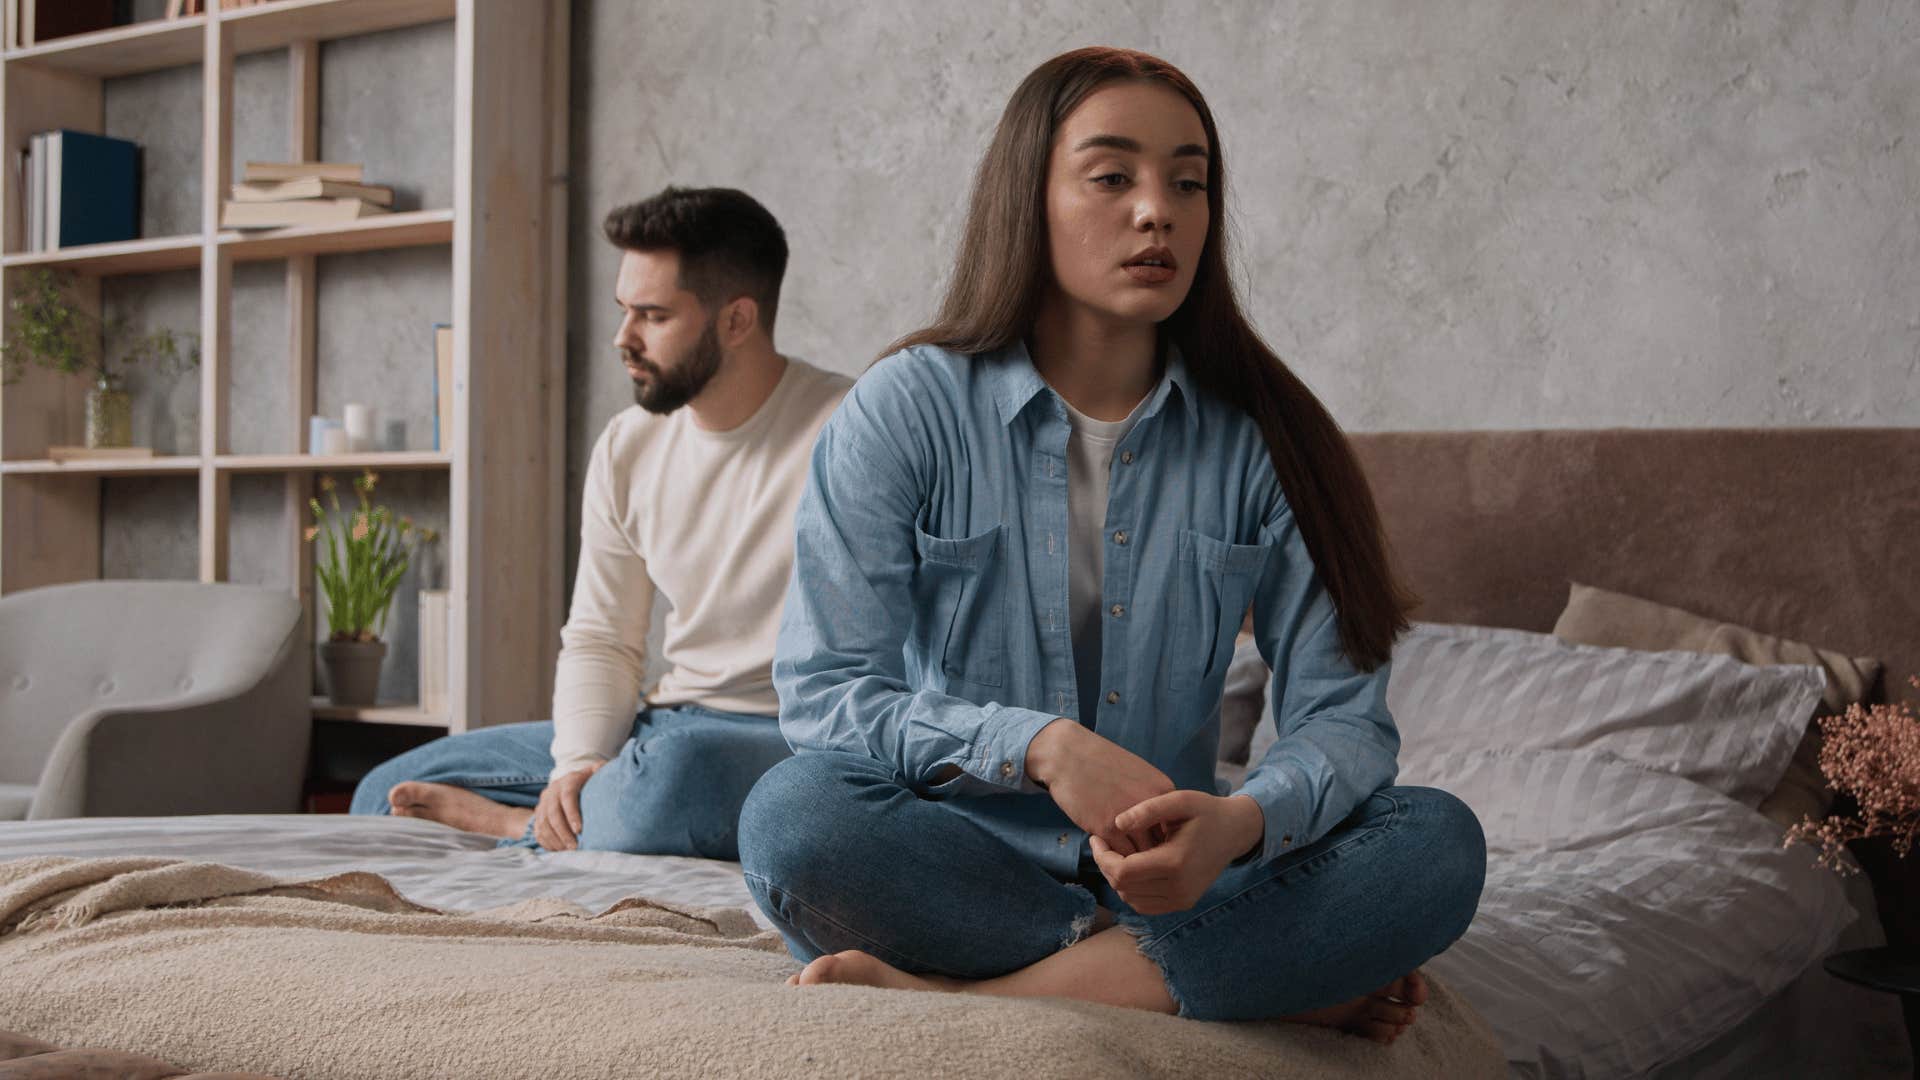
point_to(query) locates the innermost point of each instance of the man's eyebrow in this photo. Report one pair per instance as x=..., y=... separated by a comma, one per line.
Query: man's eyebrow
x=641, y=308
x=1132, y=146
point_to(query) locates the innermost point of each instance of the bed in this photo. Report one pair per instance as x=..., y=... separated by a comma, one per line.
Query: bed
x=1790, y=531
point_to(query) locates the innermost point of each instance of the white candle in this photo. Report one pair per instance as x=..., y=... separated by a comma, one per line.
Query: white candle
x=359, y=419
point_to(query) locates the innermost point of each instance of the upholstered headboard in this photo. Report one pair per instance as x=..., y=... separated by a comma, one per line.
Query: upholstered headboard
x=1810, y=534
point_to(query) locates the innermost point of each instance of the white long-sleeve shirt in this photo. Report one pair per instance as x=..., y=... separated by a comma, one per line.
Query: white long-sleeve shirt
x=705, y=519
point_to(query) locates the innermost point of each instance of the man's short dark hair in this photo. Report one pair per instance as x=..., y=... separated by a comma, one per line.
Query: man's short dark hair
x=729, y=245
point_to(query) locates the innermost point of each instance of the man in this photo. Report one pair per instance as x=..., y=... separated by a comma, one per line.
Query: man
x=690, y=496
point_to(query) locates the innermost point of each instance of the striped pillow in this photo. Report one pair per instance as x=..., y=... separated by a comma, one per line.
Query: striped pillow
x=1727, y=725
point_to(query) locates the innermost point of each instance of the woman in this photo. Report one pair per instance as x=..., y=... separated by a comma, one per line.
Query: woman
x=1028, y=538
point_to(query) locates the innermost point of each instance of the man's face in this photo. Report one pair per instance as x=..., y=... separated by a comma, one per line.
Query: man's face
x=670, y=347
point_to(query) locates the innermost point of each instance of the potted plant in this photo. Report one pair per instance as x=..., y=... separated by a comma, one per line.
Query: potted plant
x=360, y=558
x=46, y=329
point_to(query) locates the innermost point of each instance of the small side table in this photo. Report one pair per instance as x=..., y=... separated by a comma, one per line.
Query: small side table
x=1894, y=970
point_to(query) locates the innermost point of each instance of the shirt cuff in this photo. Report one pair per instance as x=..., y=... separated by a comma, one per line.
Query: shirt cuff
x=996, y=762
x=575, y=764
x=1282, y=807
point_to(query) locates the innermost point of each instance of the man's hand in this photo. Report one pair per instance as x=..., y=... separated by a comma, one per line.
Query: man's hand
x=1093, y=779
x=556, y=820
x=1206, y=832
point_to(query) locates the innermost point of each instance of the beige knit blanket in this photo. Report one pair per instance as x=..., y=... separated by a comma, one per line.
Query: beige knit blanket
x=216, y=968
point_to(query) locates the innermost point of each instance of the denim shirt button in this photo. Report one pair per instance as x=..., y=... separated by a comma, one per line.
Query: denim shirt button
x=1285, y=840
x=1117, y=610
x=1006, y=768
x=1120, y=537
x=1113, y=697
x=1063, y=839
x=1126, y=457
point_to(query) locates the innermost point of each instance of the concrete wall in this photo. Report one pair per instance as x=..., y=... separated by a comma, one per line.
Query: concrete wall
x=1482, y=214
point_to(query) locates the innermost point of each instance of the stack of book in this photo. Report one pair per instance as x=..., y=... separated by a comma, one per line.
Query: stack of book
x=79, y=188
x=275, y=195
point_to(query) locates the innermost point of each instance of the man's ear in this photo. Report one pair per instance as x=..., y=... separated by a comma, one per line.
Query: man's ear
x=737, y=321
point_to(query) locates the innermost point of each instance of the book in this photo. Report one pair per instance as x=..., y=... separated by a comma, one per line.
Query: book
x=90, y=192
x=97, y=453
x=36, y=186
x=435, y=606
x=311, y=187
x=258, y=172
x=49, y=19
x=276, y=215
x=442, y=386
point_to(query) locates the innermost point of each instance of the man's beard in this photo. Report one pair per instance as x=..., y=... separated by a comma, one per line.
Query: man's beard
x=666, y=389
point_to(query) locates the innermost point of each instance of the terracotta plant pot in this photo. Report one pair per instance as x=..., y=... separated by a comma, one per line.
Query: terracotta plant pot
x=353, y=670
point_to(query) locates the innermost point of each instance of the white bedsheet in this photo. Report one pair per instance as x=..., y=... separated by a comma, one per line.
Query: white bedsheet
x=429, y=863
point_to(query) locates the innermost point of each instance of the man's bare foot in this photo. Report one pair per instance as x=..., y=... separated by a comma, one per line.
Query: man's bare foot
x=468, y=811
x=1381, y=1016
x=856, y=968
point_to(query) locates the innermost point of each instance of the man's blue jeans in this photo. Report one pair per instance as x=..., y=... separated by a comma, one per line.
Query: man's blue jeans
x=675, y=788
x=841, y=854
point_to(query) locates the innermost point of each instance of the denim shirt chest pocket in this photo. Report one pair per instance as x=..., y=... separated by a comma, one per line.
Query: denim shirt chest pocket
x=960, y=591
x=1213, y=585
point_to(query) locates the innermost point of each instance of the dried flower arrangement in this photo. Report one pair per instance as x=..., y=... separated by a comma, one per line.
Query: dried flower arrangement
x=365, y=555
x=1872, y=753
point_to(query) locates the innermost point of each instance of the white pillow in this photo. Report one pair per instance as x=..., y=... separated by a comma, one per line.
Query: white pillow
x=1730, y=726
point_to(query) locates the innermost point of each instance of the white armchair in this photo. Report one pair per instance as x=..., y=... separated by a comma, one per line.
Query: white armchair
x=133, y=698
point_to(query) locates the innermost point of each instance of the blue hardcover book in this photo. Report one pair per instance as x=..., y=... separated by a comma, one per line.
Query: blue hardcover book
x=93, y=189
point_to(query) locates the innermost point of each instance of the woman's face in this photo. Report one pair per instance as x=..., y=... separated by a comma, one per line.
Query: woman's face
x=1126, y=189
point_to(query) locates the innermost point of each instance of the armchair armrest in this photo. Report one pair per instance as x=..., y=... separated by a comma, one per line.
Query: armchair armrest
x=218, y=751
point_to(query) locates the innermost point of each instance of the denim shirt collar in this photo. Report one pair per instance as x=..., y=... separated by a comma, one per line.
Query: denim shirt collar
x=1016, y=382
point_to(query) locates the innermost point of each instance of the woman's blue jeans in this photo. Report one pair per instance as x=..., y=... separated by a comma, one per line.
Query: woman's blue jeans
x=675, y=787
x=841, y=854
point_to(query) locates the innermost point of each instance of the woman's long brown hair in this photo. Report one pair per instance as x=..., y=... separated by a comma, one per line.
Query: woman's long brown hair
x=1002, y=271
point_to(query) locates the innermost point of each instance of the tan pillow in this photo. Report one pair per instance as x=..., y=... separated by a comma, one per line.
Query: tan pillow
x=1598, y=617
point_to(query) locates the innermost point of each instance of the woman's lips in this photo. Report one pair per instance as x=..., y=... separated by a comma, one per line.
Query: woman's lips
x=1150, y=275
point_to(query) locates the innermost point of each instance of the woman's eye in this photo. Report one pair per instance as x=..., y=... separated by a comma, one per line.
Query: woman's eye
x=1117, y=178
x=1190, y=186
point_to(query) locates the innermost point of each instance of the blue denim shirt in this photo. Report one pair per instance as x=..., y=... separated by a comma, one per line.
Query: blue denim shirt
x=926, y=622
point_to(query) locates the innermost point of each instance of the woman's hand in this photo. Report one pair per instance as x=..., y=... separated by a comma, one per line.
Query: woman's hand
x=1205, y=833
x=1092, y=779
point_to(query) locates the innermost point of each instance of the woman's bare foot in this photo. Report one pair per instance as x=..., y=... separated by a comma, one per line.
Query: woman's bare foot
x=856, y=968
x=1381, y=1016
x=468, y=811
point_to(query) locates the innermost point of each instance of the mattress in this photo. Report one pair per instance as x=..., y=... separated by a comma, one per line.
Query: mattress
x=1816, y=1025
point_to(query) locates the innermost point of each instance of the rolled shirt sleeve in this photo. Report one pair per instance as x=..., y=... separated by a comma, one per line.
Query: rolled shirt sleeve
x=1337, y=743
x=839, y=666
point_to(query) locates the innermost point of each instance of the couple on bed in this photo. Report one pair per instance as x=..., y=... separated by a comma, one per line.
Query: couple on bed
x=974, y=747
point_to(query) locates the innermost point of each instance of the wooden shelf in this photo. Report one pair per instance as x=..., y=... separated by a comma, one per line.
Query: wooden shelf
x=415, y=228
x=376, y=460
x=378, y=714
x=282, y=22
x=122, y=50
x=163, y=43
x=164, y=466
x=124, y=257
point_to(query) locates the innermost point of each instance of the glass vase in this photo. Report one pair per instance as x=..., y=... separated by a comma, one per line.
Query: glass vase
x=109, y=416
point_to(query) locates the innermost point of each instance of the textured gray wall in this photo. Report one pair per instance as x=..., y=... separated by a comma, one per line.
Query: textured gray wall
x=1482, y=214
x=1475, y=214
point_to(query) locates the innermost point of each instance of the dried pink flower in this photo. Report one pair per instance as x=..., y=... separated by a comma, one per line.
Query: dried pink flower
x=1873, y=754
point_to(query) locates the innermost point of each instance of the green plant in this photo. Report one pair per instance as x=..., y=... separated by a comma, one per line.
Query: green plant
x=363, y=558
x=45, y=328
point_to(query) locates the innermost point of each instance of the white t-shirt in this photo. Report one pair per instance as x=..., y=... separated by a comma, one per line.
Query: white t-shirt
x=704, y=519
x=1090, y=449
